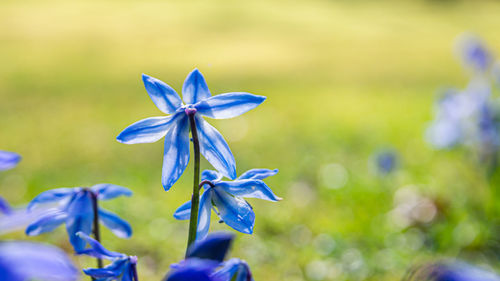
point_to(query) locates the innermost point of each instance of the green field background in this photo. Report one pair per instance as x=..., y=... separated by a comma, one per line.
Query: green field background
x=343, y=80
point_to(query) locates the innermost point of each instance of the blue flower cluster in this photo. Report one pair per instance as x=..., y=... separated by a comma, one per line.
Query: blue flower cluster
x=78, y=208
x=470, y=117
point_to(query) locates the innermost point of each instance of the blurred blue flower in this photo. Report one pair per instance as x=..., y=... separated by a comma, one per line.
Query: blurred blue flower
x=121, y=268
x=451, y=271
x=386, y=161
x=175, y=127
x=22, y=261
x=226, y=197
x=8, y=160
x=75, y=209
x=234, y=270
x=474, y=53
x=193, y=269
x=202, y=258
x=4, y=207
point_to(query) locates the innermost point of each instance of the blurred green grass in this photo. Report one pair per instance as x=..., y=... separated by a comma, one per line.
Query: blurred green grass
x=342, y=79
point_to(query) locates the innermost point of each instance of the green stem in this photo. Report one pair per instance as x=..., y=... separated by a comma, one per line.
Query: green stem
x=97, y=233
x=195, y=198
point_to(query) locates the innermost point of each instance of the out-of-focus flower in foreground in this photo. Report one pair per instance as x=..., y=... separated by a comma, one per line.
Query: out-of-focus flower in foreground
x=23, y=261
x=175, y=127
x=227, y=198
x=75, y=209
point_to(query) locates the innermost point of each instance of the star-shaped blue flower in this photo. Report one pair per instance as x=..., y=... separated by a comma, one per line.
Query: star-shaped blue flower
x=21, y=261
x=122, y=267
x=8, y=160
x=76, y=211
x=227, y=198
x=175, y=127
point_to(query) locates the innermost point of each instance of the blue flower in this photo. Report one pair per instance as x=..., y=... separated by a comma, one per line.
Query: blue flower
x=121, y=268
x=386, y=161
x=74, y=208
x=474, y=53
x=234, y=269
x=175, y=127
x=8, y=160
x=226, y=196
x=21, y=261
x=202, y=258
x=213, y=247
x=193, y=269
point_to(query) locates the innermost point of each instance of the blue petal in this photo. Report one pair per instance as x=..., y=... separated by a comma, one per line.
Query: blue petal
x=193, y=269
x=235, y=212
x=107, y=191
x=228, y=105
x=118, y=226
x=195, y=88
x=100, y=272
x=46, y=223
x=210, y=175
x=75, y=225
x=215, y=149
x=213, y=247
x=80, y=218
x=96, y=249
x=4, y=206
x=176, y=155
x=81, y=205
x=248, y=188
x=204, y=214
x=257, y=174
x=51, y=196
x=147, y=130
x=112, y=270
x=183, y=212
x=8, y=160
x=234, y=267
x=164, y=97
x=22, y=261
x=128, y=274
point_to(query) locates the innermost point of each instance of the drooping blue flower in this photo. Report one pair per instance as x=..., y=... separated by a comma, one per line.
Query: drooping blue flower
x=386, y=161
x=8, y=160
x=121, y=268
x=202, y=258
x=234, y=269
x=23, y=261
x=451, y=271
x=74, y=208
x=227, y=198
x=175, y=127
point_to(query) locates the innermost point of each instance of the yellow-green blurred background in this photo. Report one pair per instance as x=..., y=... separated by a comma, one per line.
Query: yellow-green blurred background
x=343, y=79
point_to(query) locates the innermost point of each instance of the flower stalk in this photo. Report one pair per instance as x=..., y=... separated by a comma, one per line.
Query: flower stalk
x=96, y=231
x=195, y=197
x=134, y=270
